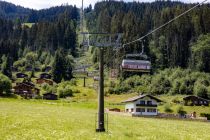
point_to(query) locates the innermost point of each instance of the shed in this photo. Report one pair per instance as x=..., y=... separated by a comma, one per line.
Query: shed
x=37, y=69
x=21, y=75
x=45, y=76
x=14, y=69
x=114, y=109
x=28, y=68
x=47, y=69
x=50, y=96
x=43, y=80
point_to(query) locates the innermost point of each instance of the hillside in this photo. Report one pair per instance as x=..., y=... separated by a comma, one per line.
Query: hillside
x=13, y=12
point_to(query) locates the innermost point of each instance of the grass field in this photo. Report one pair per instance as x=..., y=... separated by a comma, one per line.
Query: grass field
x=28, y=24
x=35, y=119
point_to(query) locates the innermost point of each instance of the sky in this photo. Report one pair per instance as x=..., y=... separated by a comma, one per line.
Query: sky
x=41, y=4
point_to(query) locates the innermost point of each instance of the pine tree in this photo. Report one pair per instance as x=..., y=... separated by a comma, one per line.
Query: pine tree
x=6, y=68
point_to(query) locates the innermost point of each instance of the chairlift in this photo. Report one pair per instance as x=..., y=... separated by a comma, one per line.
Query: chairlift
x=137, y=62
x=85, y=40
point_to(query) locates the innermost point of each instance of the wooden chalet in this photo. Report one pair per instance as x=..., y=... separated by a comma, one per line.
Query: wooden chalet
x=21, y=75
x=26, y=90
x=114, y=109
x=45, y=76
x=195, y=100
x=28, y=68
x=50, y=96
x=43, y=80
x=37, y=69
x=14, y=69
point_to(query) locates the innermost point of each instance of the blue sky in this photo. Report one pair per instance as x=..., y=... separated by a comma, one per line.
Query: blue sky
x=40, y=4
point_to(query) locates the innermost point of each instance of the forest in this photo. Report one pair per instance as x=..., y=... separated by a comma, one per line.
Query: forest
x=51, y=38
x=181, y=48
x=172, y=46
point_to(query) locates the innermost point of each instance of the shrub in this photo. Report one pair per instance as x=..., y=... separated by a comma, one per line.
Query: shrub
x=5, y=85
x=176, y=100
x=201, y=90
x=205, y=115
x=180, y=110
x=64, y=92
x=167, y=108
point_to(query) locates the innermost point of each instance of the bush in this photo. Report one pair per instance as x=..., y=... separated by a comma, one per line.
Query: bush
x=64, y=92
x=201, y=90
x=180, y=110
x=5, y=85
x=205, y=115
x=167, y=108
x=169, y=81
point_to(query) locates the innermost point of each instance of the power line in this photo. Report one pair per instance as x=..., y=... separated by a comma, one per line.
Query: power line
x=139, y=39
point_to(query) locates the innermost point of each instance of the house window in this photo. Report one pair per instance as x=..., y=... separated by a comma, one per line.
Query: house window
x=127, y=110
x=201, y=102
x=149, y=102
x=195, y=102
x=131, y=109
x=140, y=109
x=142, y=102
x=151, y=110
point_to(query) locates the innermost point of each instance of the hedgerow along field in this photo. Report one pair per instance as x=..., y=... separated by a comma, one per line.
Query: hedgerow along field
x=35, y=119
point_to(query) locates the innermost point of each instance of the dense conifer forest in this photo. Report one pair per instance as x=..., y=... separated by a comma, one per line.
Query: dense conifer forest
x=172, y=46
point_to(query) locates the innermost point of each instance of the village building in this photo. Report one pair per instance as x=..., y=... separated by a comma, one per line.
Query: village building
x=50, y=96
x=28, y=68
x=142, y=105
x=26, y=90
x=47, y=69
x=43, y=80
x=192, y=100
x=45, y=76
x=14, y=69
x=114, y=109
x=21, y=75
x=37, y=69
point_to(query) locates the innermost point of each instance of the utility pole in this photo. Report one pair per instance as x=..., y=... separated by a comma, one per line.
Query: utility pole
x=101, y=92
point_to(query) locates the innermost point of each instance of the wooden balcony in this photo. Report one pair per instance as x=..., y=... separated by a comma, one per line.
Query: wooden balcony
x=147, y=105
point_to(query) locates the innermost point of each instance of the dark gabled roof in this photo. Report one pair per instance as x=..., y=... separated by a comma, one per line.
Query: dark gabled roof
x=20, y=73
x=200, y=98
x=140, y=97
x=28, y=84
x=44, y=79
x=44, y=73
x=50, y=94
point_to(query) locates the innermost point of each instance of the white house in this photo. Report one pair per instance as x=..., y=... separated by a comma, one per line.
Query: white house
x=142, y=105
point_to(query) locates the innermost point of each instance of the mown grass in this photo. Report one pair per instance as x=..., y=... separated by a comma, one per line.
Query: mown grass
x=28, y=24
x=23, y=119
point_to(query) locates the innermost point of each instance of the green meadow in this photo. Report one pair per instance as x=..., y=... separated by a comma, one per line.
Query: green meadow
x=66, y=120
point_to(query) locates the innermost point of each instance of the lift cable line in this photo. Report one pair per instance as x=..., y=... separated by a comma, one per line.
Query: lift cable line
x=141, y=38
